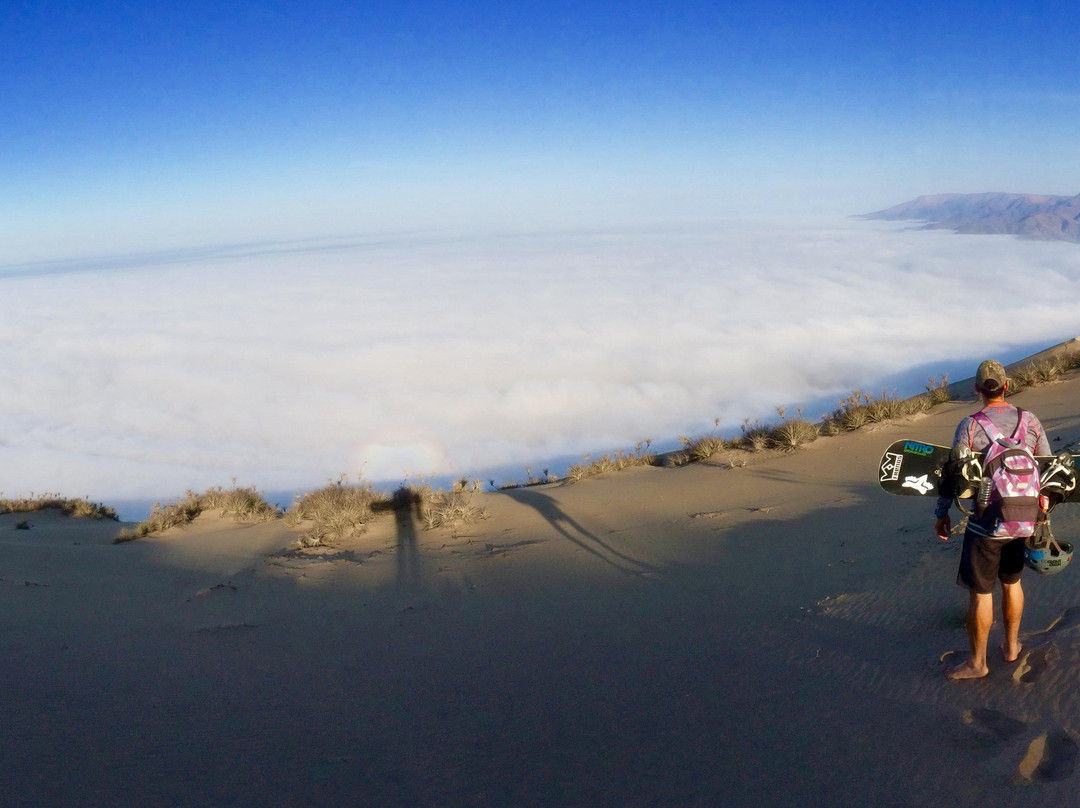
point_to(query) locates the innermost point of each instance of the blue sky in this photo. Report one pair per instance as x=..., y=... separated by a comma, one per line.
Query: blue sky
x=159, y=125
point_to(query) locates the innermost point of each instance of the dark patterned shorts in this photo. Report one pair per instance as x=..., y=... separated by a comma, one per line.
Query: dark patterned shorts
x=984, y=562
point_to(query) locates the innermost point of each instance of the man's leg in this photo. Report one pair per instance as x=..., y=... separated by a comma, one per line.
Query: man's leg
x=1012, y=608
x=980, y=616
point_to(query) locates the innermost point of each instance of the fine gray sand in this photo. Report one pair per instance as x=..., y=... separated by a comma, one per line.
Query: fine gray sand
x=771, y=635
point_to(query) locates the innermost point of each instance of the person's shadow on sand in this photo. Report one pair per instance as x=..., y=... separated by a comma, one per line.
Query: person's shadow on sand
x=408, y=510
x=572, y=530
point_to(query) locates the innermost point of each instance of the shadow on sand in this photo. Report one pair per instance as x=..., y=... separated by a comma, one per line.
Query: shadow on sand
x=573, y=531
x=408, y=511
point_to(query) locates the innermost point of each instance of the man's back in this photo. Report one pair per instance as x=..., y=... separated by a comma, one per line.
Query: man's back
x=1005, y=417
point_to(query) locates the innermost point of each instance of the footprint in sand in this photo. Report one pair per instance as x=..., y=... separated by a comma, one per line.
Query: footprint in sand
x=1032, y=666
x=1049, y=758
x=997, y=724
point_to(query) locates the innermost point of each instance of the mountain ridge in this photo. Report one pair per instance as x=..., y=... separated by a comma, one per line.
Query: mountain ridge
x=1031, y=216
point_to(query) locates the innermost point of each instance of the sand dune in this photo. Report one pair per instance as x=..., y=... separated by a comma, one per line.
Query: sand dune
x=697, y=636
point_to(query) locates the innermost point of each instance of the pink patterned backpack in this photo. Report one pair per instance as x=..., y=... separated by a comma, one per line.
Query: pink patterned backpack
x=1008, y=498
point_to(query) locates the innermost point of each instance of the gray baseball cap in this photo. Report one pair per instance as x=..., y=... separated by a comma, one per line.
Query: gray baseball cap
x=991, y=376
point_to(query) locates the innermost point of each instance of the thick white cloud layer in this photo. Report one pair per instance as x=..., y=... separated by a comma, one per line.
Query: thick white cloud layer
x=282, y=366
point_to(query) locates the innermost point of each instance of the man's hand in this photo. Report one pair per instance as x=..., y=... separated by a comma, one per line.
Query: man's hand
x=943, y=527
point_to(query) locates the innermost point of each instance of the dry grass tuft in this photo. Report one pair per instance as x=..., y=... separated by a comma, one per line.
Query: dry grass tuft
x=937, y=392
x=756, y=437
x=793, y=433
x=860, y=409
x=790, y=434
x=338, y=511
x=1042, y=372
x=576, y=473
x=242, y=504
x=850, y=415
x=617, y=461
x=705, y=447
x=885, y=408
x=452, y=508
x=530, y=479
x=678, y=458
x=77, y=508
x=699, y=449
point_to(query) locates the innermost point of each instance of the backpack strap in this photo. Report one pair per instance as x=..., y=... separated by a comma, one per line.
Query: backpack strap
x=1019, y=436
x=992, y=432
x=1022, y=422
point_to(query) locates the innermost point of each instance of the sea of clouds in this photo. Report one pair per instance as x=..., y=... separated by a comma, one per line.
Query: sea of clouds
x=132, y=378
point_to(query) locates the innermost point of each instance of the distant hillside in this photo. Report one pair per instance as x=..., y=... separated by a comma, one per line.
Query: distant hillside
x=1025, y=215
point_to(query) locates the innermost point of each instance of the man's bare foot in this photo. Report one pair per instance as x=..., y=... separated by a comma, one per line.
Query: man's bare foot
x=1011, y=657
x=966, y=671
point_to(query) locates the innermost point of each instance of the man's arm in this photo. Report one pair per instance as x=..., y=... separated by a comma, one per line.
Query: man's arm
x=942, y=520
x=1042, y=444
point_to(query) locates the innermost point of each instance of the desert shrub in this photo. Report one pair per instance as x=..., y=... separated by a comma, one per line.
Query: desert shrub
x=615, y=461
x=337, y=511
x=162, y=517
x=915, y=405
x=641, y=456
x=451, y=508
x=756, y=437
x=1050, y=369
x=704, y=448
x=244, y=504
x=79, y=508
x=576, y=473
x=679, y=457
x=937, y=392
x=859, y=409
x=530, y=479
x=852, y=412
x=603, y=465
x=884, y=408
x=1041, y=372
x=1021, y=379
x=793, y=433
x=699, y=449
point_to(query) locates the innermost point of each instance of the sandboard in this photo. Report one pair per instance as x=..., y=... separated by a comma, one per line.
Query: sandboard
x=915, y=468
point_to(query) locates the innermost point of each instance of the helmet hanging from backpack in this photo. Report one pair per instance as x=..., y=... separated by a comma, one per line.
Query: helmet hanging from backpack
x=1044, y=554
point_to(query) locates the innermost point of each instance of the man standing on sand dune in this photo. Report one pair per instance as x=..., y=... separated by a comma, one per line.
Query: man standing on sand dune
x=987, y=557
